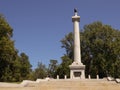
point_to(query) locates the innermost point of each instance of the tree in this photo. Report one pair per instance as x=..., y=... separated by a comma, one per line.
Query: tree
x=63, y=68
x=25, y=68
x=67, y=43
x=52, y=68
x=7, y=51
x=40, y=71
x=100, y=45
x=11, y=64
x=67, y=58
x=100, y=49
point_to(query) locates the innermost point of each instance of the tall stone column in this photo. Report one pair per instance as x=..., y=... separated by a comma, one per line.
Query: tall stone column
x=76, y=68
x=77, y=50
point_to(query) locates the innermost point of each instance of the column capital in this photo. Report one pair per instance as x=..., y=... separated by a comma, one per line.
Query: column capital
x=75, y=18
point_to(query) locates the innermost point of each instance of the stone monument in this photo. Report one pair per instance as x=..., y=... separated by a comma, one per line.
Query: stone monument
x=77, y=69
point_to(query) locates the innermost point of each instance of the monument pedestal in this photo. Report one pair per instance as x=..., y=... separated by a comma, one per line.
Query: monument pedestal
x=77, y=71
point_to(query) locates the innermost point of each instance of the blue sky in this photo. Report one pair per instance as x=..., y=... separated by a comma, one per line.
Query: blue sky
x=39, y=25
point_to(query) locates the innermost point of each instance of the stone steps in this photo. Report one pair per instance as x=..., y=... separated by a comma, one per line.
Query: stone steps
x=75, y=84
x=63, y=84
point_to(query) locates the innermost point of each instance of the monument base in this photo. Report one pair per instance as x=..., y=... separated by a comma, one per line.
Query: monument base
x=77, y=71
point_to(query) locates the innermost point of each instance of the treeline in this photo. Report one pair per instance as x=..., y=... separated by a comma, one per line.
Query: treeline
x=100, y=45
x=100, y=51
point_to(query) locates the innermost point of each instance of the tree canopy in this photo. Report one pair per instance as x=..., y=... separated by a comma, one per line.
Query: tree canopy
x=11, y=64
x=100, y=49
x=100, y=45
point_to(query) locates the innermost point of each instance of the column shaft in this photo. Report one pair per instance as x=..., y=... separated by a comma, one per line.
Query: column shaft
x=77, y=51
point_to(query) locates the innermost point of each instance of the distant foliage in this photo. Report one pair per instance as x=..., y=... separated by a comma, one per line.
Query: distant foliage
x=52, y=68
x=40, y=71
x=63, y=69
